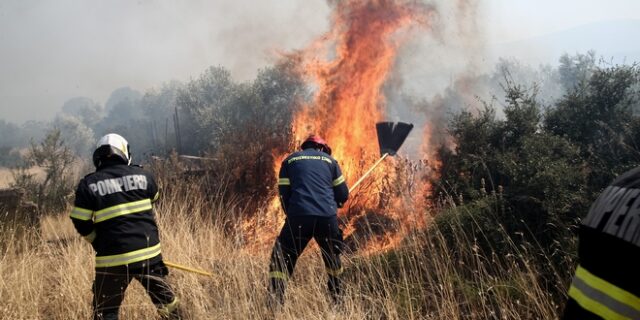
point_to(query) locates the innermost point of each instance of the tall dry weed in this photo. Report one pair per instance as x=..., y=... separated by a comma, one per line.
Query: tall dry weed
x=48, y=274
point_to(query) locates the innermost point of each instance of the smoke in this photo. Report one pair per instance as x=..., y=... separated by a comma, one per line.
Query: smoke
x=448, y=68
x=55, y=50
x=449, y=55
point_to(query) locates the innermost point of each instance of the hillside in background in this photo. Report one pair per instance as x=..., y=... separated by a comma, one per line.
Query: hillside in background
x=615, y=41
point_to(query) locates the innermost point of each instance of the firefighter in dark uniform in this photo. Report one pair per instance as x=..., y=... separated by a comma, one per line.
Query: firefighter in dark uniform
x=311, y=188
x=606, y=284
x=113, y=211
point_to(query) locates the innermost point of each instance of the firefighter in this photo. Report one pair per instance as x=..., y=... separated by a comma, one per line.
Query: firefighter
x=311, y=188
x=606, y=284
x=113, y=211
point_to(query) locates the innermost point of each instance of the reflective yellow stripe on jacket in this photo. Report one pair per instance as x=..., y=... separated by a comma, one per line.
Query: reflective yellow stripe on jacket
x=602, y=298
x=81, y=214
x=127, y=258
x=122, y=209
x=338, y=181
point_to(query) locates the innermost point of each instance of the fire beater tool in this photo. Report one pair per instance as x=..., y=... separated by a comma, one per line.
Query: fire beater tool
x=391, y=135
x=189, y=269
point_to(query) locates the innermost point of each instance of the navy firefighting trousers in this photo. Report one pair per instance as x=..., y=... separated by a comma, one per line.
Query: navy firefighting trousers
x=111, y=283
x=294, y=237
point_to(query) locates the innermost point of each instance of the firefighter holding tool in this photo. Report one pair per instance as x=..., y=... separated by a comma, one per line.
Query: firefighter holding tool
x=113, y=211
x=311, y=188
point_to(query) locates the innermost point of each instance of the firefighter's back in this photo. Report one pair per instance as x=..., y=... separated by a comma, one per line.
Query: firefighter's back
x=606, y=284
x=121, y=199
x=311, y=173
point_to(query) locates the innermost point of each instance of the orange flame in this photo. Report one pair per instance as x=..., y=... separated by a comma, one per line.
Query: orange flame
x=349, y=101
x=348, y=67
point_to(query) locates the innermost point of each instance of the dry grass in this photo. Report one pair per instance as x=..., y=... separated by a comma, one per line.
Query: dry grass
x=6, y=176
x=47, y=274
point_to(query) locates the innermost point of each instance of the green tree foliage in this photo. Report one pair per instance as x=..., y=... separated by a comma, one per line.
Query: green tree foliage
x=577, y=69
x=9, y=157
x=56, y=159
x=201, y=102
x=158, y=107
x=84, y=109
x=241, y=124
x=538, y=175
x=10, y=133
x=598, y=117
x=75, y=134
x=530, y=176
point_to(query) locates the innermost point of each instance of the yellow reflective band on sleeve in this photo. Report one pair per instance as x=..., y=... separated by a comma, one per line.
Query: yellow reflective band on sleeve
x=156, y=197
x=338, y=181
x=278, y=275
x=609, y=289
x=594, y=306
x=127, y=258
x=166, y=309
x=81, y=214
x=284, y=182
x=335, y=273
x=90, y=237
x=122, y=209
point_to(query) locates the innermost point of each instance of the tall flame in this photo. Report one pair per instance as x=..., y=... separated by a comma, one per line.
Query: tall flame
x=348, y=101
x=348, y=67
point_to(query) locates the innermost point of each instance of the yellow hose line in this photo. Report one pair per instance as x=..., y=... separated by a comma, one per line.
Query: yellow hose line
x=185, y=268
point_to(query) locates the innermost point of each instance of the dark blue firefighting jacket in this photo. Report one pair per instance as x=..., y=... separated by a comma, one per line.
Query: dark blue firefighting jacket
x=606, y=283
x=311, y=184
x=113, y=210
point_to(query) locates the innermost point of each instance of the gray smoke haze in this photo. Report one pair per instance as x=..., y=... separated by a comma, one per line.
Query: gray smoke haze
x=450, y=51
x=52, y=51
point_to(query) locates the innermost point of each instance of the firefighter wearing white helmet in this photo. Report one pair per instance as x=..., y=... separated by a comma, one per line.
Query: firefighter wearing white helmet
x=113, y=211
x=110, y=146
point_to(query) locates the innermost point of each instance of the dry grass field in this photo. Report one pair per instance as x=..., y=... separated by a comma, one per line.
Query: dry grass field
x=46, y=272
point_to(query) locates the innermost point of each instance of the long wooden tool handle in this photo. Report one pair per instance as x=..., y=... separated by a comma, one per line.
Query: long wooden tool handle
x=368, y=172
x=185, y=268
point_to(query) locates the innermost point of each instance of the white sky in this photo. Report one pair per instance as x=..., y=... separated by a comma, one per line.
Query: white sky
x=510, y=20
x=53, y=50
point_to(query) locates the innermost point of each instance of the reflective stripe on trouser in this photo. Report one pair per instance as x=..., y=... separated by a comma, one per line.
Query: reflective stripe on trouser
x=278, y=275
x=293, y=238
x=602, y=298
x=127, y=258
x=335, y=272
x=122, y=209
x=165, y=310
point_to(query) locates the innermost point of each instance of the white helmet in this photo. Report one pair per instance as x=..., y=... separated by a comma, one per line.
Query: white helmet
x=112, y=146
